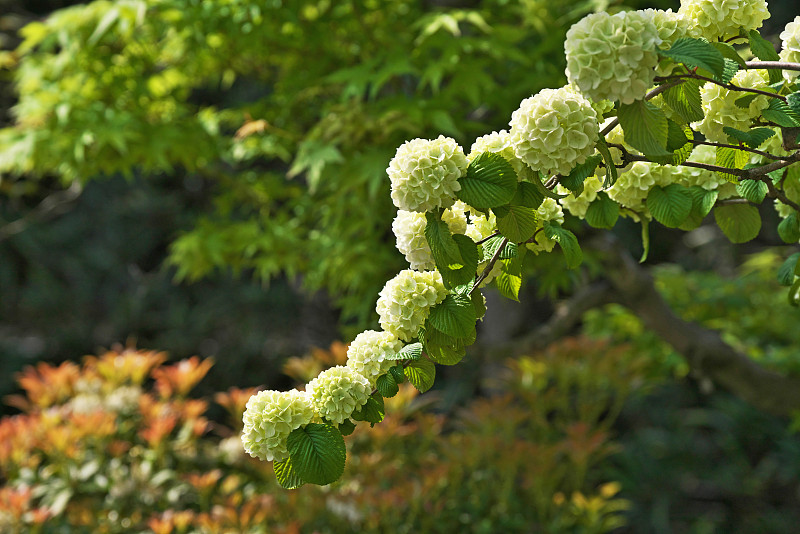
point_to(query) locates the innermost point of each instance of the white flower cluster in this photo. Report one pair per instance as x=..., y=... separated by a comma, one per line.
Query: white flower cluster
x=790, y=47
x=633, y=185
x=550, y=211
x=722, y=19
x=554, y=130
x=424, y=173
x=367, y=353
x=337, y=392
x=613, y=57
x=577, y=206
x=405, y=301
x=720, y=109
x=409, y=229
x=270, y=417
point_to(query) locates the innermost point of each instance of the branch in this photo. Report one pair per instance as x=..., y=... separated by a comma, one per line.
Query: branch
x=728, y=86
x=50, y=207
x=783, y=65
x=737, y=147
x=705, y=351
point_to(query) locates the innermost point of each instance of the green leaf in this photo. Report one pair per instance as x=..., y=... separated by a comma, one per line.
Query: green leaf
x=398, y=372
x=574, y=180
x=696, y=53
x=789, y=228
x=611, y=169
x=490, y=248
x=541, y=190
x=286, y=474
x=793, y=101
x=745, y=101
x=731, y=158
x=455, y=316
x=508, y=282
x=754, y=138
x=409, y=352
x=372, y=411
x=678, y=144
x=730, y=70
x=518, y=224
x=752, y=190
x=739, y=222
x=317, y=452
x=781, y=114
x=421, y=373
x=478, y=303
x=387, y=385
x=786, y=270
x=684, y=99
x=702, y=203
x=761, y=48
x=645, y=239
x=602, y=212
x=529, y=195
x=728, y=52
x=645, y=127
x=669, y=205
x=465, y=273
x=347, y=427
x=446, y=354
x=568, y=242
x=443, y=247
x=490, y=181
x=794, y=294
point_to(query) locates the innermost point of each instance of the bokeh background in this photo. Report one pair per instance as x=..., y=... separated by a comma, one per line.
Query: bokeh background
x=207, y=180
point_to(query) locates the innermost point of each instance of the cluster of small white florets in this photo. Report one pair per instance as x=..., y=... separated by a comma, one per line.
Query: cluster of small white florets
x=720, y=109
x=424, y=173
x=548, y=211
x=409, y=229
x=270, y=417
x=708, y=180
x=406, y=300
x=368, y=352
x=577, y=205
x=790, y=47
x=554, y=130
x=722, y=19
x=633, y=185
x=338, y=392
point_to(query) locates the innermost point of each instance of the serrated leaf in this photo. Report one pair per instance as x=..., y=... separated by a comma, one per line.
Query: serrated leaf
x=508, y=283
x=729, y=71
x=372, y=411
x=669, y=205
x=464, y=272
x=752, y=190
x=574, y=180
x=346, y=427
x=542, y=190
x=529, y=195
x=602, y=212
x=739, y=222
x=789, y=228
x=753, y=138
x=786, y=270
x=678, y=144
x=696, y=53
x=728, y=52
x=398, y=372
x=761, y=48
x=702, y=203
x=446, y=355
x=387, y=385
x=478, y=303
x=409, y=352
x=421, y=374
x=731, y=158
x=455, y=316
x=684, y=99
x=568, y=242
x=611, y=169
x=793, y=101
x=781, y=114
x=518, y=224
x=286, y=474
x=745, y=101
x=645, y=127
x=317, y=452
x=490, y=248
x=443, y=247
x=490, y=181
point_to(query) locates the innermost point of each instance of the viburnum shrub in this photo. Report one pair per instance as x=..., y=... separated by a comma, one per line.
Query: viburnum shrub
x=665, y=119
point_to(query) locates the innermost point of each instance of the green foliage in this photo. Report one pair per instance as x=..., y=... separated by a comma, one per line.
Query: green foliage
x=454, y=316
x=645, y=127
x=669, y=205
x=421, y=373
x=602, y=212
x=739, y=222
x=696, y=53
x=517, y=223
x=568, y=242
x=490, y=181
x=684, y=99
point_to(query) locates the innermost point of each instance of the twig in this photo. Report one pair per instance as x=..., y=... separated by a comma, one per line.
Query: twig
x=727, y=86
x=489, y=266
x=737, y=147
x=51, y=206
x=783, y=65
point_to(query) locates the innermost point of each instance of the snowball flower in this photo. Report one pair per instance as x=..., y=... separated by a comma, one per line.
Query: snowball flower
x=633, y=185
x=721, y=19
x=708, y=180
x=424, y=173
x=500, y=143
x=270, y=417
x=577, y=206
x=612, y=57
x=720, y=109
x=405, y=301
x=550, y=211
x=480, y=226
x=366, y=355
x=790, y=47
x=338, y=392
x=409, y=229
x=554, y=130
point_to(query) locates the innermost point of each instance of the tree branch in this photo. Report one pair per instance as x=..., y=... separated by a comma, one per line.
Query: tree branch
x=50, y=207
x=783, y=65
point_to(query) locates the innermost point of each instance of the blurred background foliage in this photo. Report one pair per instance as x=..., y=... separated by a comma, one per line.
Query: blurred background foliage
x=209, y=178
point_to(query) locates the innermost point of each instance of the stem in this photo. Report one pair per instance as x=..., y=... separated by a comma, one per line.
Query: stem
x=780, y=195
x=727, y=86
x=783, y=65
x=487, y=238
x=737, y=147
x=489, y=266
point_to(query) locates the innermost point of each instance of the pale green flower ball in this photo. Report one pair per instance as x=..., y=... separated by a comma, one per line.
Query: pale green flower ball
x=554, y=130
x=790, y=47
x=270, y=417
x=405, y=301
x=500, y=143
x=708, y=180
x=338, y=392
x=409, y=230
x=613, y=57
x=633, y=185
x=577, y=206
x=424, y=173
x=721, y=19
x=720, y=109
x=367, y=353
x=480, y=226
